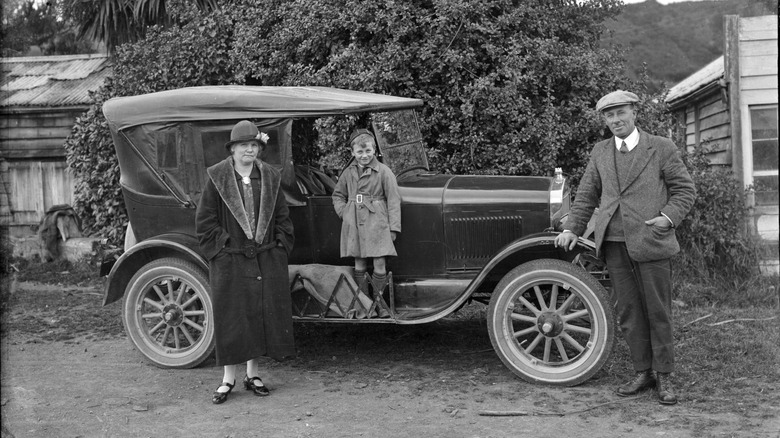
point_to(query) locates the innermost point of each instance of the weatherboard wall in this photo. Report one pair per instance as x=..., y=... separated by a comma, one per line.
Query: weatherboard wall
x=40, y=99
x=758, y=89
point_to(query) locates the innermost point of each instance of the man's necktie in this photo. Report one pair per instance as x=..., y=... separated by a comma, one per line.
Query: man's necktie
x=623, y=147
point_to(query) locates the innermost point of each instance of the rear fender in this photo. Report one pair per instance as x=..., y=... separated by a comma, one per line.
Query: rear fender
x=170, y=245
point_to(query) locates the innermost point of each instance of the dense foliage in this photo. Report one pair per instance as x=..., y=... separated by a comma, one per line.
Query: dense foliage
x=712, y=236
x=195, y=53
x=507, y=85
x=97, y=196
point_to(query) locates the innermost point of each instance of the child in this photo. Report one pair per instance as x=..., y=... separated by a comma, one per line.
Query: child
x=366, y=199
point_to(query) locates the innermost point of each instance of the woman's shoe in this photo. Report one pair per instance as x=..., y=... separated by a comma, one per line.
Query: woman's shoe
x=220, y=397
x=260, y=390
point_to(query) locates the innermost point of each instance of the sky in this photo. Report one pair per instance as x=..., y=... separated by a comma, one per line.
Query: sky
x=663, y=2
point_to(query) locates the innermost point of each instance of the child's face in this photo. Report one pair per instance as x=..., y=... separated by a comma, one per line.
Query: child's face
x=363, y=152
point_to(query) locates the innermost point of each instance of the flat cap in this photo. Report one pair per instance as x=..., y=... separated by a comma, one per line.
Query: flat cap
x=616, y=98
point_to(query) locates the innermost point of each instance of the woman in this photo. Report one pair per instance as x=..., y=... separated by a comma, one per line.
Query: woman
x=245, y=232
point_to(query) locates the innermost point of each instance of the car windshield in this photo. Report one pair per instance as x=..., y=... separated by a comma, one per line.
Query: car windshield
x=400, y=140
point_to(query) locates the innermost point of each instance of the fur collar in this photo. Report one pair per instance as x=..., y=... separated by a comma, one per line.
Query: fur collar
x=224, y=178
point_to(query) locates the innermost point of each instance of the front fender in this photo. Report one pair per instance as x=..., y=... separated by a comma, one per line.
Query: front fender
x=531, y=247
x=170, y=245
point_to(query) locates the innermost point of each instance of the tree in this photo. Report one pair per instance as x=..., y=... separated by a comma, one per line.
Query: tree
x=29, y=23
x=115, y=22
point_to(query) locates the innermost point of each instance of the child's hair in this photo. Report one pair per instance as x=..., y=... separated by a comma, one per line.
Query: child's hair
x=361, y=137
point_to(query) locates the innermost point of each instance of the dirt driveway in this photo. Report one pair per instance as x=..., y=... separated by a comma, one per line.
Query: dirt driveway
x=69, y=371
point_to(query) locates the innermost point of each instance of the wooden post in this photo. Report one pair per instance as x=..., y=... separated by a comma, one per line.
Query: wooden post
x=731, y=76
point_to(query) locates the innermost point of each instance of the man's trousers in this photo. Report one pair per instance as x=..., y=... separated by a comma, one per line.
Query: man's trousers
x=643, y=295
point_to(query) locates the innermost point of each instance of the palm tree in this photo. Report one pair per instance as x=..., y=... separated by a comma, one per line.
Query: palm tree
x=115, y=22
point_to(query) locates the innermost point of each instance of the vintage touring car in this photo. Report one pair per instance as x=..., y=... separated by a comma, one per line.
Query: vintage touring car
x=487, y=239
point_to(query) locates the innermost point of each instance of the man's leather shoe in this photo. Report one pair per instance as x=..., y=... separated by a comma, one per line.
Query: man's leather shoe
x=642, y=380
x=665, y=388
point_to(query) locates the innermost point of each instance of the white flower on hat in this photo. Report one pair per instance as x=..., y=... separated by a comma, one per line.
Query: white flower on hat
x=263, y=137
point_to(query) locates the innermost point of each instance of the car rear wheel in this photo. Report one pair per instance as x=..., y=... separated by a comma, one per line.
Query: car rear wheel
x=167, y=313
x=551, y=322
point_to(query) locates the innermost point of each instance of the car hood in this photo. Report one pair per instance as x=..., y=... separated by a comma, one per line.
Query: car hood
x=474, y=189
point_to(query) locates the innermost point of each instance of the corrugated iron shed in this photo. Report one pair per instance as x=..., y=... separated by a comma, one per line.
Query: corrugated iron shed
x=51, y=81
x=707, y=75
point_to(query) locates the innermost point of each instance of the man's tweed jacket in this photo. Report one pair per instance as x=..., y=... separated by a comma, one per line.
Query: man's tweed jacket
x=657, y=182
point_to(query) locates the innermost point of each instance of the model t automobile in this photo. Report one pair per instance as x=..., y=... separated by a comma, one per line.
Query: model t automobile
x=487, y=239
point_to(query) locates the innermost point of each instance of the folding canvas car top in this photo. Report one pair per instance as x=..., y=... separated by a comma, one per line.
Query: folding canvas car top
x=244, y=102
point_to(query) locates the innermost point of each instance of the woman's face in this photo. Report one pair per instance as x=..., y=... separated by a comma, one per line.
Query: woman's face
x=245, y=152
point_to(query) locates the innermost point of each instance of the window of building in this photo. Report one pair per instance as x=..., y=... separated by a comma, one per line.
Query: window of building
x=763, y=122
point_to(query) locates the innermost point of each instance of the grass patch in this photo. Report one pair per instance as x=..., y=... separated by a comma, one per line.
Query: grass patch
x=729, y=363
x=61, y=272
x=694, y=289
x=59, y=313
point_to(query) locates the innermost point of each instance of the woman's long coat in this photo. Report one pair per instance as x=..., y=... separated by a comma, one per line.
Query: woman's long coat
x=251, y=296
x=366, y=225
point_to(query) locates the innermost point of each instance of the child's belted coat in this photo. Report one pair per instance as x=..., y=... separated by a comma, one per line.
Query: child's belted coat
x=250, y=294
x=368, y=219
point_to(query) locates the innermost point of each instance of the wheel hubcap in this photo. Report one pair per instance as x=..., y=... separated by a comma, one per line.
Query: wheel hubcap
x=550, y=324
x=172, y=315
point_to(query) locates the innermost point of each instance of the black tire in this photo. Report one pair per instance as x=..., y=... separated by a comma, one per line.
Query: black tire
x=551, y=322
x=168, y=315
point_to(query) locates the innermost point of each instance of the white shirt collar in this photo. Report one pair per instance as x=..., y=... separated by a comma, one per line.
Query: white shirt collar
x=631, y=141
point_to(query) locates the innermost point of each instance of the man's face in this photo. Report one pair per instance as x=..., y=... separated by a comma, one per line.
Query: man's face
x=245, y=152
x=620, y=119
x=363, y=152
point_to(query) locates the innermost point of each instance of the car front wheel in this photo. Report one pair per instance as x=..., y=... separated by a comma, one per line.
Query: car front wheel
x=167, y=313
x=551, y=322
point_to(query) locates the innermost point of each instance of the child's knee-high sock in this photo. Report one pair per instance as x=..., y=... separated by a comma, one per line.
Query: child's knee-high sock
x=361, y=278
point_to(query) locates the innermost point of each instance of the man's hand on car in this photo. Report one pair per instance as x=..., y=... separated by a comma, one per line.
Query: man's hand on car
x=566, y=240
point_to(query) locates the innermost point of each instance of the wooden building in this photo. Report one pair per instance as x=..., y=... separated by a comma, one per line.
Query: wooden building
x=40, y=99
x=729, y=109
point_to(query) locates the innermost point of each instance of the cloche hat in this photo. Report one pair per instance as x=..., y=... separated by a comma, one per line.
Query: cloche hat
x=246, y=131
x=616, y=98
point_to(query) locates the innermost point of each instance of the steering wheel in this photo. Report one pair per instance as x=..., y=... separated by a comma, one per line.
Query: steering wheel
x=405, y=171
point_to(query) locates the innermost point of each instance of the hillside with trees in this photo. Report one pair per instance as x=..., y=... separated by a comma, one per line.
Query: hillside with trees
x=676, y=39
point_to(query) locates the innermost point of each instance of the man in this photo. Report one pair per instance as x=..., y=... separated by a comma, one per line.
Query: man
x=643, y=191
